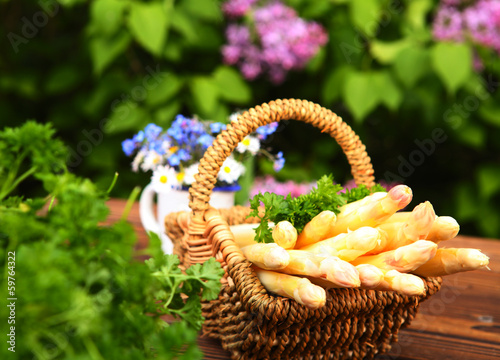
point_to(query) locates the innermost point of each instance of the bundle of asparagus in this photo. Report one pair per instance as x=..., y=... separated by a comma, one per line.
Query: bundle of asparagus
x=369, y=243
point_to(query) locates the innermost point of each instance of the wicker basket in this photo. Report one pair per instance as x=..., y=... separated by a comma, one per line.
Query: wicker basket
x=254, y=324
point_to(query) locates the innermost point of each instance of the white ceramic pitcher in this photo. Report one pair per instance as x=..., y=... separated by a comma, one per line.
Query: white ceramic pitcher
x=173, y=201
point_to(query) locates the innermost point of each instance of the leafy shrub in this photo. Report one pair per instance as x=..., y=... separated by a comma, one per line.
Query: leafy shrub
x=109, y=67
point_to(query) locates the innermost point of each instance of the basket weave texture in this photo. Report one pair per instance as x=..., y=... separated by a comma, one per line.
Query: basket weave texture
x=254, y=324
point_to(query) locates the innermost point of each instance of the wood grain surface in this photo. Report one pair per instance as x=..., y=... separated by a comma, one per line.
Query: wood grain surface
x=462, y=321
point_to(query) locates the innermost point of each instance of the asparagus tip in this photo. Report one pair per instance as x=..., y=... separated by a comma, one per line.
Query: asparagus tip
x=277, y=258
x=401, y=194
x=311, y=295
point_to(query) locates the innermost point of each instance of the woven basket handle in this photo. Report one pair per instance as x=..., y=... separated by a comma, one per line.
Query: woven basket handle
x=249, y=121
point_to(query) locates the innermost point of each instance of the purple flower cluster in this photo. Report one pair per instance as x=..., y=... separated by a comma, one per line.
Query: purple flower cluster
x=274, y=40
x=237, y=8
x=476, y=21
x=270, y=184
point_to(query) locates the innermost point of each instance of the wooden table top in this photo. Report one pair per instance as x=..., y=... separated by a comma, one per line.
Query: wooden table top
x=461, y=321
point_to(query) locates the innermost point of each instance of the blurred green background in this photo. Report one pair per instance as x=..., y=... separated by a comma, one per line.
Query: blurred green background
x=101, y=70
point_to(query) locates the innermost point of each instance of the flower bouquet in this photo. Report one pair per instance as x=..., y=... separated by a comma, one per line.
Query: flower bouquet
x=173, y=154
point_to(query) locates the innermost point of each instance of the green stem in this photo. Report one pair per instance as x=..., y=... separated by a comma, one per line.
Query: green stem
x=130, y=202
x=11, y=175
x=172, y=294
x=92, y=349
x=267, y=154
x=113, y=183
x=6, y=192
x=51, y=202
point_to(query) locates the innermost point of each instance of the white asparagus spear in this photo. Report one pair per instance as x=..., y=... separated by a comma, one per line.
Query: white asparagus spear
x=362, y=213
x=416, y=227
x=347, y=246
x=370, y=277
x=267, y=256
x=330, y=268
x=453, y=260
x=405, y=284
x=316, y=229
x=293, y=287
x=443, y=228
x=403, y=259
x=285, y=235
x=244, y=234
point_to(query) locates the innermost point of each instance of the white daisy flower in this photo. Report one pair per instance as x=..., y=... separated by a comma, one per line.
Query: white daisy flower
x=137, y=160
x=189, y=174
x=250, y=144
x=234, y=117
x=230, y=170
x=164, y=179
x=165, y=145
x=151, y=161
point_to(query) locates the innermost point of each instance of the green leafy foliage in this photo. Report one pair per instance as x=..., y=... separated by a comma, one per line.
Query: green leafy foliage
x=411, y=64
x=274, y=206
x=205, y=94
x=387, y=51
x=359, y=94
x=107, y=16
x=381, y=70
x=489, y=180
x=361, y=191
x=453, y=73
x=31, y=143
x=332, y=87
x=300, y=210
x=388, y=91
x=105, y=50
x=364, y=91
x=148, y=23
x=88, y=296
x=231, y=85
x=198, y=279
x=364, y=15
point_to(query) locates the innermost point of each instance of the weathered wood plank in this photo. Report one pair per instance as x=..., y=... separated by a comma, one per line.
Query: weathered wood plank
x=462, y=321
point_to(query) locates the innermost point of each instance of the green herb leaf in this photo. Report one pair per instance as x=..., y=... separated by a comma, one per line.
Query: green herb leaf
x=88, y=295
x=361, y=191
x=300, y=210
x=274, y=206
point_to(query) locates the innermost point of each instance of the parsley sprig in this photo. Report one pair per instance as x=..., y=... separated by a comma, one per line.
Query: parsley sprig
x=85, y=295
x=300, y=210
x=28, y=150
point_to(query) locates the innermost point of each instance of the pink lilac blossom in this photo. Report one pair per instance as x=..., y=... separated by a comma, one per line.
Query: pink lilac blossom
x=275, y=42
x=476, y=21
x=448, y=24
x=352, y=184
x=452, y=2
x=479, y=25
x=270, y=184
x=237, y=8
